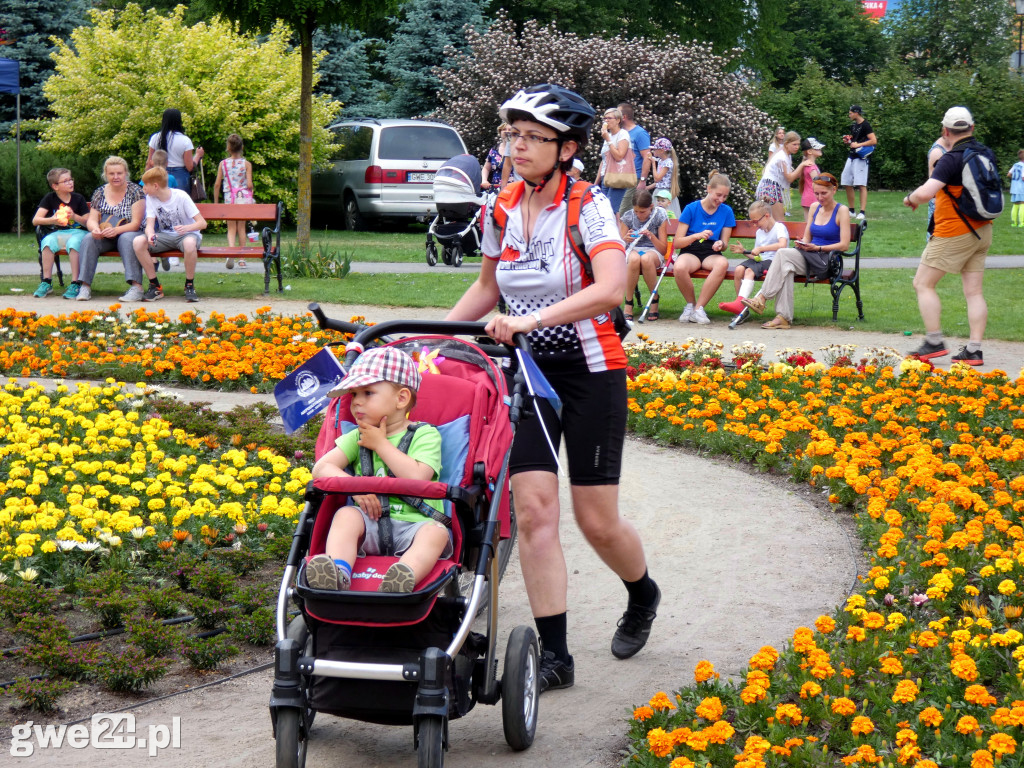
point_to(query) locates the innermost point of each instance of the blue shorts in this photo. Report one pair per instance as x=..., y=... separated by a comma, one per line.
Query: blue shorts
x=64, y=240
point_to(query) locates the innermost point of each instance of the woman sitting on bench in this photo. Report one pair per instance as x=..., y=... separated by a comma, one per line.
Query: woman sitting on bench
x=827, y=234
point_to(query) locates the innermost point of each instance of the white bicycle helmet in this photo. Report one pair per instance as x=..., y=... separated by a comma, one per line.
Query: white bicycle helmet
x=552, y=105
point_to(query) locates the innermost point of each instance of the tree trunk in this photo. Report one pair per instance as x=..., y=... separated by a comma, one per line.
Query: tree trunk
x=305, y=135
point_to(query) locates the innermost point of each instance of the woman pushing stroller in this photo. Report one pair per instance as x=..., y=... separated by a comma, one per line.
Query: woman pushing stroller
x=552, y=296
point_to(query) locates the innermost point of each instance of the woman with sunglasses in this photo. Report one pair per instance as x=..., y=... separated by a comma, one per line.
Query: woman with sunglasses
x=566, y=314
x=826, y=235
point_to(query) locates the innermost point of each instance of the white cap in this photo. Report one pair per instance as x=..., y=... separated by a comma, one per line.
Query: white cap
x=957, y=119
x=577, y=164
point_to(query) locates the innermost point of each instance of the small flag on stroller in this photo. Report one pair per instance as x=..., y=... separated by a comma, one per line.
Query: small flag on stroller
x=306, y=391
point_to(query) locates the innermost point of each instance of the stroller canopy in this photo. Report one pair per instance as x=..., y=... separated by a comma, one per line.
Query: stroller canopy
x=458, y=181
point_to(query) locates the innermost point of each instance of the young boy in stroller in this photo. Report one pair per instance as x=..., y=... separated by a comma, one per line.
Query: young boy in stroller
x=383, y=384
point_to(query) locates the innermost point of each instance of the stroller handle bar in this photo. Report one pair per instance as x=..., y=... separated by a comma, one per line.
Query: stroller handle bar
x=364, y=334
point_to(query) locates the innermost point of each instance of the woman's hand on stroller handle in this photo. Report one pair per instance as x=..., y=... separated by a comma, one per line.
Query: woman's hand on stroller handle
x=505, y=328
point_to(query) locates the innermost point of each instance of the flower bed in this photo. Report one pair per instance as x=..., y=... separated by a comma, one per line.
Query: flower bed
x=219, y=353
x=923, y=665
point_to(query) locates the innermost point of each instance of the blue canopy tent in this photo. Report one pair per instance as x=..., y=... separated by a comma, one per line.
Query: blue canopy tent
x=10, y=82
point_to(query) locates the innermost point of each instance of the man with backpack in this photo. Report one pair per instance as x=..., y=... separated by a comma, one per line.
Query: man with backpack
x=968, y=196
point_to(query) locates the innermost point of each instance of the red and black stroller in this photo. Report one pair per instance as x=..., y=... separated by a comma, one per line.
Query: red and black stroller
x=412, y=659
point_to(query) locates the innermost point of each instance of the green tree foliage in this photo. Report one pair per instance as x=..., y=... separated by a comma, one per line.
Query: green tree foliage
x=835, y=34
x=26, y=26
x=115, y=78
x=427, y=34
x=680, y=90
x=345, y=70
x=36, y=160
x=938, y=35
x=303, y=17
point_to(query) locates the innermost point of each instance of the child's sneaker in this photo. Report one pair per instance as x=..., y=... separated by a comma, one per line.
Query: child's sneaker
x=72, y=291
x=190, y=293
x=323, y=573
x=154, y=293
x=398, y=578
x=44, y=290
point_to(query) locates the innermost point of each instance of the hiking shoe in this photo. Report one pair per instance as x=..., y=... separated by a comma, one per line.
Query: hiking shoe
x=687, y=316
x=134, y=293
x=190, y=293
x=555, y=673
x=398, y=578
x=165, y=262
x=72, y=291
x=700, y=316
x=44, y=290
x=230, y=263
x=971, y=358
x=84, y=293
x=153, y=293
x=323, y=573
x=927, y=350
x=634, y=628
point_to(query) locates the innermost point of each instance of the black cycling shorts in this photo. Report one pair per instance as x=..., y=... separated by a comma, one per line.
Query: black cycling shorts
x=593, y=422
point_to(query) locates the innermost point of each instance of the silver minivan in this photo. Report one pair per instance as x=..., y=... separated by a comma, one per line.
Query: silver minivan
x=382, y=169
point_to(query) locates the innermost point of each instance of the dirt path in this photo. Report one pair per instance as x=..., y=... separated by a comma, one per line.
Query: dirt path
x=741, y=559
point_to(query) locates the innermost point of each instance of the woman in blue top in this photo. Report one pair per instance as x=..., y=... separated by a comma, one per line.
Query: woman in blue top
x=704, y=230
x=827, y=233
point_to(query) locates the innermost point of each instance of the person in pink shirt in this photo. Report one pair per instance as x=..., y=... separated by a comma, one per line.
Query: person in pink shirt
x=811, y=148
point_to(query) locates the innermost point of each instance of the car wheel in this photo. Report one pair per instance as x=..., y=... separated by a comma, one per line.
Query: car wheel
x=353, y=218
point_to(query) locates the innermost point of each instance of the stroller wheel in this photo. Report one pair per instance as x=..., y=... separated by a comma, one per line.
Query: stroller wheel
x=431, y=742
x=446, y=255
x=457, y=255
x=520, y=688
x=431, y=254
x=291, y=743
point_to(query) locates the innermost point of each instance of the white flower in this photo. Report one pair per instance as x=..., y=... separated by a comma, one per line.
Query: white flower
x=88, y=546
x=65, y=544
x=29, y=574
x=138, y=533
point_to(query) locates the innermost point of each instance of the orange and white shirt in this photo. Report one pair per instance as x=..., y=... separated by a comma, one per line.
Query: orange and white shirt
x=544, y=271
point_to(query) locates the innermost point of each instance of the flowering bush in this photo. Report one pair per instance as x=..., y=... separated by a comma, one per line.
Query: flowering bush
x=221, y=353
x=922, y=666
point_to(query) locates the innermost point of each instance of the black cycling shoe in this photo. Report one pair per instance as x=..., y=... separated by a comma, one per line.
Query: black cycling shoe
x=555, y=673
x=634, y=628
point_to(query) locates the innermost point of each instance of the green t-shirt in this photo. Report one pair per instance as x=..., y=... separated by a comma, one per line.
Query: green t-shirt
x=425, y=447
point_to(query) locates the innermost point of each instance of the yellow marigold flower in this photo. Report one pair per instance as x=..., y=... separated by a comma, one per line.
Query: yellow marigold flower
x=843, y=706
x=855, y=633
x=966, y=724
x=710, y=708
x=1002, y=744
x=660, y=700
x=704, y=671
x=825, y=624
x=643, y=713
x=931, y=717
x=1007, y=587
x=659, y=742
x=906, y=692
x=862, y=726
x=982, y=759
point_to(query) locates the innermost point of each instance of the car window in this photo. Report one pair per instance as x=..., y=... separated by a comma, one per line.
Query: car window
x=418, y=142
x=353, y=142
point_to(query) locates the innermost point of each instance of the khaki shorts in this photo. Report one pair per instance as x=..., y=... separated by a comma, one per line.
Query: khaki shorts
x=963, y=253
x=403, y=532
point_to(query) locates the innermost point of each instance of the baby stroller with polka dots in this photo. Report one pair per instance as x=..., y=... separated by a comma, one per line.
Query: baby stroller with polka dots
x=412, y=658
x=459, y=200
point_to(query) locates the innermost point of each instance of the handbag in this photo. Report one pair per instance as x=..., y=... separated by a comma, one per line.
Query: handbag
x=198, y=184
x=823, y=264
x=620, y=174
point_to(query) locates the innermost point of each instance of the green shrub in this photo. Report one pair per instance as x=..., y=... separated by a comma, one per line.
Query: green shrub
x=152, y=636
x=39, y=695
x=35, y=162
x=207, y=652
x=258, y=628
x=209, y=613
x=319, y=261
x=130, y=671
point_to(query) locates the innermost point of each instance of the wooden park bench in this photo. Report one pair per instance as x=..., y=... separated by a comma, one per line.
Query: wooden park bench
x=848, y=274
x=270, y=239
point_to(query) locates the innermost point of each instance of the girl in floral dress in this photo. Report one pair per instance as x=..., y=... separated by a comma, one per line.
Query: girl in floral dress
x=234, y=178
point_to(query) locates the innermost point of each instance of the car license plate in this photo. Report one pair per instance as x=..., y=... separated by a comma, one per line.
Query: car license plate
x=423, y=177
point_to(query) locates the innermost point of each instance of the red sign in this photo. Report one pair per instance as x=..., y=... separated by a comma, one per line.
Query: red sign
x=875, y=8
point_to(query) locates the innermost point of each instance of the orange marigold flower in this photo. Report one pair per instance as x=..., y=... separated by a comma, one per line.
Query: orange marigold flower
x=643, y=713
x=660, y=700
x=978, y=694
x=982, y=759
x=710, y=708
x=1002, y=744
x=789, y=714
x=927, y=639
x=659, y=742
x=966, y=724
x=720, y=732
x=809, y=690
x=926, y=764
x=843, y=706
x=906, y=692
x=931, y=717
x=752, y=694
x=855, y=633
x=891, y=666
x=704, y=671
x=825, y=624
x=861, y=726
x=873, y=620
x=681, y=762
x=963, y=666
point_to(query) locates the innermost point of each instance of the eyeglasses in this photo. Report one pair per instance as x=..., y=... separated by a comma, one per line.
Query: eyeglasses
x=530, y=138
x=762, y=218
x=66, y=181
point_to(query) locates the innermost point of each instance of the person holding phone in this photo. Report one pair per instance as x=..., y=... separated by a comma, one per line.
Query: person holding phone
x=826, y=234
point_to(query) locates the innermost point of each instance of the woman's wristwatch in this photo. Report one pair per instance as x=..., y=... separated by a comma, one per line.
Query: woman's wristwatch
x=536, y=316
